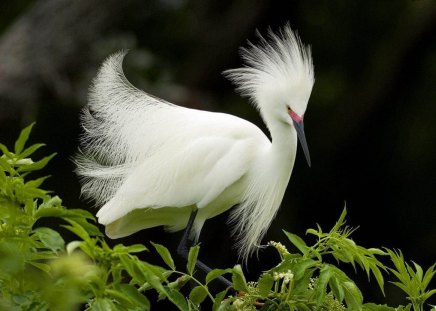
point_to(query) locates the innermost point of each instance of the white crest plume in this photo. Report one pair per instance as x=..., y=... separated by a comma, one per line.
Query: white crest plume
x=276, y=64
x=148, y=162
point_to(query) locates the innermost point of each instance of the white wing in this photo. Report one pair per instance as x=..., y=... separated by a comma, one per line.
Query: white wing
x=116, y=122
x=195, y=175
x=139, y=151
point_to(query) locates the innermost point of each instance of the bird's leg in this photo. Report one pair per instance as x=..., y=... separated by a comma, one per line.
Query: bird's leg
x=183, y=251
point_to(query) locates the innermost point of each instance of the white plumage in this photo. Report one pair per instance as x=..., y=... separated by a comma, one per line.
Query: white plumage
x=149, y=162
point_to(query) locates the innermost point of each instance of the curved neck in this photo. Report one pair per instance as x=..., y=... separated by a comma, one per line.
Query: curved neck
x=283, y=145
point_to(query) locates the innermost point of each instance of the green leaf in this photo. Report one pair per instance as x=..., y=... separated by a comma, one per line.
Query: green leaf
x=102, y=304
x=120, y=249
x=140, y=275
x=428, y=276
x=353, y=296
x=133, y=293
x=151, y=274
x=50, y=238
x=119, y=297
x=78, y=230
x=402, y=286
x=192, y=258
x=41, y=266
x=398, y=261
x=378, y=276
x=5, y=166
x=37, y=165
x=344, y=250
x=321, y=285
x=2, y=176
x=301, y=306
x=22, y=139
x=53, y=203
x=136, y=248
x=29, y=151
x=165, y=255
x=375, y=307
x=428, y=294
x=91, y=229
x=30, y=193
x=198, y=294
x=301, y=267
x=42, y=255
x=264, y=285
x=36, y=182
x=341, y=220
x=313, y=232
x=44, y=210
x=6, y=152
x=77, y=213
x=177, y=299
x=215, y=273
x=419, y=272
x=238, y=279
x=298, y=242
x=377, y=251
x=219, y=299
x=336, y=288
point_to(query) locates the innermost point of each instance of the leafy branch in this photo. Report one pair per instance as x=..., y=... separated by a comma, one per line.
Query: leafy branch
x=40, y=270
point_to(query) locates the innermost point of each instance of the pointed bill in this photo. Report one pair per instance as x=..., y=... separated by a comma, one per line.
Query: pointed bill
x=299, y=127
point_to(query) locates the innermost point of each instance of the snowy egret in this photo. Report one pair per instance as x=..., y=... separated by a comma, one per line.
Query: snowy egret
x=148, y=162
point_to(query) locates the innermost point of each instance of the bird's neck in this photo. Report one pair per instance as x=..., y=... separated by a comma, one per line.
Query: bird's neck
x=283, y=146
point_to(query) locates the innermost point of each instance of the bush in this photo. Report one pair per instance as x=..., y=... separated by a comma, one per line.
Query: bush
x=39, y=270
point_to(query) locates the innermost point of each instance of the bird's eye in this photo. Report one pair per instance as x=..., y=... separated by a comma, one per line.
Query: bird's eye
x=289, y=108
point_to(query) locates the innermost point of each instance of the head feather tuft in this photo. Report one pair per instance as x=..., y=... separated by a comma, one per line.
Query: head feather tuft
x=277, y=63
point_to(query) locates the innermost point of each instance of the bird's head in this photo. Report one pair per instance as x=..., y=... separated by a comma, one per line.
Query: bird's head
x=278, y=78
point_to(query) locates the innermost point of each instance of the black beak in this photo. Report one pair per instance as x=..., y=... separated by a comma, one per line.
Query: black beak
x=299, y=127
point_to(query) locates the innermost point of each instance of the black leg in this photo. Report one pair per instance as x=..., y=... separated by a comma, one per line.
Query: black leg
x=183, y=251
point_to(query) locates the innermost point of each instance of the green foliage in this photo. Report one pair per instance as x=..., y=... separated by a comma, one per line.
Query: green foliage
x=305, y=280
x=40, y=270
x=412, y=280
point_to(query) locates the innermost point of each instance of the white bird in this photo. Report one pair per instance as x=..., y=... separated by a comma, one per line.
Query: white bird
x=148, y=162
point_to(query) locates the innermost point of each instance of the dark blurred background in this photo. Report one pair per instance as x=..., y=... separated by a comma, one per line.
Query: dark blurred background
x=370, y=123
